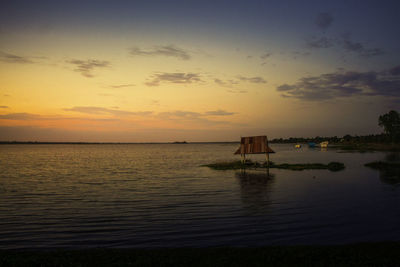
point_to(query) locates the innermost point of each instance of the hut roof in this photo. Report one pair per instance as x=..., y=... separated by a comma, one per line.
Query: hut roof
x=254, y=145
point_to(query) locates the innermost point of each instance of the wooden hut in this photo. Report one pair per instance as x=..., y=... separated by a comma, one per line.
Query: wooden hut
x=254, y=145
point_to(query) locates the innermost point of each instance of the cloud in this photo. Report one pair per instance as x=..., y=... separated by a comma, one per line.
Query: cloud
x=321, y=42
x=345, y=84
x=176, y=77
x=10, y=58
x=395, y=71
x=297, y=54
x=29, y=117
x=237, y=91
x=218, y=112
x=180, y=114
x=191, y=114
x=167, y=50
x=4, y=107
x=360, y=48
x=85, y=67
x=256, y=79
x=345, y=43
x=226, y=83
x=122, y=85
x=324, y=20
x=21, y=116
x=107, y=111
x=265, y=56
x=195, y=117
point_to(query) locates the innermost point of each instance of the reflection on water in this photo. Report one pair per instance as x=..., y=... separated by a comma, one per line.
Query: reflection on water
x=393, y=157
x=391, y=175
x=255, y=187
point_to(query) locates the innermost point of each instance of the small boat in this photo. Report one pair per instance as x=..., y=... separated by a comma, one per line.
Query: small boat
x=312, y=144
x=297, y=146
x=324, y=144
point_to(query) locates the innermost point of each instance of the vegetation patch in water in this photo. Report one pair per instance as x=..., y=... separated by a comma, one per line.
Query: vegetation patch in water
x=234, y=165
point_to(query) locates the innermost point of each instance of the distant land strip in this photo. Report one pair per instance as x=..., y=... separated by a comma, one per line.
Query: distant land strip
x=104, y=143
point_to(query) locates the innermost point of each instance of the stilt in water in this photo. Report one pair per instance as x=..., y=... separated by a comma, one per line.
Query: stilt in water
x=243, y=158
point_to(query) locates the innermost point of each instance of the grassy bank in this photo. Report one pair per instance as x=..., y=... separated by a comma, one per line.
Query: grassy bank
x=364, y=254
x=235, y=165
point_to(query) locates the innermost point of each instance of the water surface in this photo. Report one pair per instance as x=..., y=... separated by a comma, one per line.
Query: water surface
x=158, y=195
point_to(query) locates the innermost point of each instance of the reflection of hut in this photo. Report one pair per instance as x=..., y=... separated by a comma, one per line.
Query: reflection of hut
x=255, y=190
x=254, y=145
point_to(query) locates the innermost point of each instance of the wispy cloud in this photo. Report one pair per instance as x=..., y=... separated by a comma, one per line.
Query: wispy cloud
x=218, y=112
x=226, y=83
x=324, y=20
x=320, y=42
x=256, y=79
x=85, y=67
x=233, y=91
x=345, y=84
x=175, y=77
x=183, y=116
x=191, y=114
x=166, y=50
x=21, y=116
x=395, y=71
x=359, y=48
x=11, y=58
x=122, y=85
x=107, y=111
x=345, y=43
x=297, y=54
x=265, y=56
x=4, y=107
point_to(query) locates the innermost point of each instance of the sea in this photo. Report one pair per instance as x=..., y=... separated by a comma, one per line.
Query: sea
x=159, y=195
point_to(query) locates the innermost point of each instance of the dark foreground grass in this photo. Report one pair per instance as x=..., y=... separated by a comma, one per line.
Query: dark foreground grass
x=364, y=254
x=235, y=165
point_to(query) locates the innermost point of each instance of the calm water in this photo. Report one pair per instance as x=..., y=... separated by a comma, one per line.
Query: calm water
x=159, y=196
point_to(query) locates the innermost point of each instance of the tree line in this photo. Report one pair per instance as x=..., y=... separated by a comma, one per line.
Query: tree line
x=390, y=122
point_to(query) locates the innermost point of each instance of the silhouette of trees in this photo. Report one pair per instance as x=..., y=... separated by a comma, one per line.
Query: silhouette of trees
x=391, y=124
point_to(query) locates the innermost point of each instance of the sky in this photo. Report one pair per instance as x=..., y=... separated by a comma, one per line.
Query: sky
x=164, y=71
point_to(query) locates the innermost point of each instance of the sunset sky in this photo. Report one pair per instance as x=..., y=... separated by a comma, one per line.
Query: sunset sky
x=160, y=71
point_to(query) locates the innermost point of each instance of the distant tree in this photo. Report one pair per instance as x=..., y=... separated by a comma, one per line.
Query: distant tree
x=347, y=138
x=391, y=124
